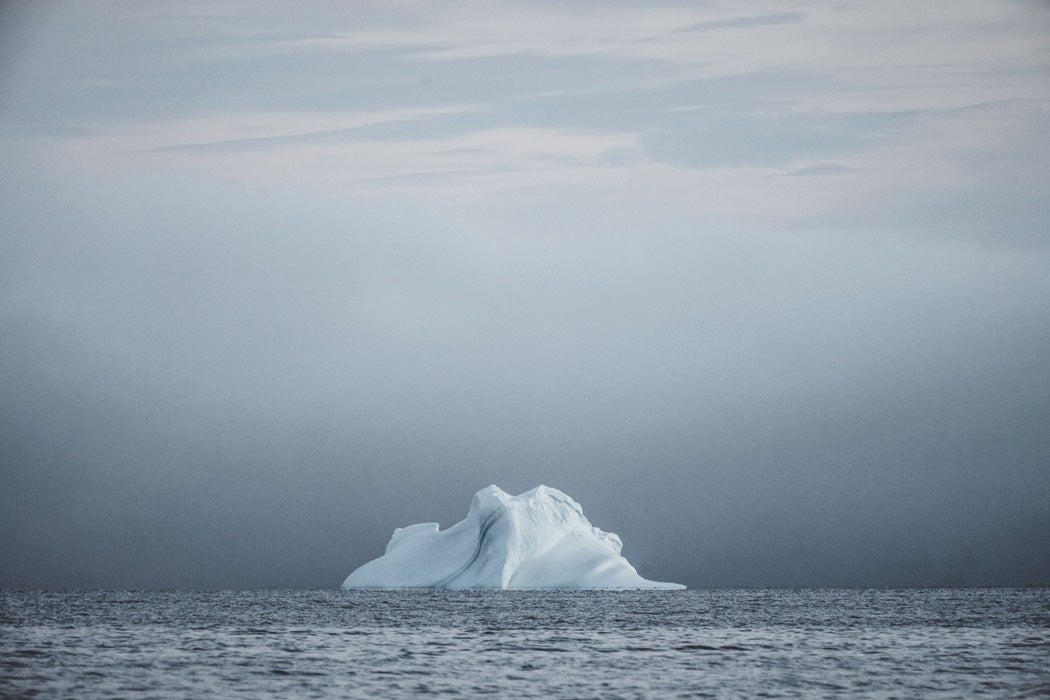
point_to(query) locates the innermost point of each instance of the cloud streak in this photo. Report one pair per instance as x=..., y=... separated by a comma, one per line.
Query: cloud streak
x=746, y=22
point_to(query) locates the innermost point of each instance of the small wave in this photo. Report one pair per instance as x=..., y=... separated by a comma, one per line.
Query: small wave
x=708, y=647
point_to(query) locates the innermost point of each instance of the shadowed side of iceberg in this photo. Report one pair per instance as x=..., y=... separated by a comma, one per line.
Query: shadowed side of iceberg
x=539, y=539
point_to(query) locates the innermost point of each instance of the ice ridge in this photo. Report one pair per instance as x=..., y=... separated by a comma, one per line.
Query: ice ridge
x=538, y=539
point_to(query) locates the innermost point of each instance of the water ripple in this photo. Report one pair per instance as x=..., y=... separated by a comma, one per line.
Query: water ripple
x=861, y=643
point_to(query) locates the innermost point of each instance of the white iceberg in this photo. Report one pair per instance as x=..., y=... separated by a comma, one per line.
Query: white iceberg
x=539, y=539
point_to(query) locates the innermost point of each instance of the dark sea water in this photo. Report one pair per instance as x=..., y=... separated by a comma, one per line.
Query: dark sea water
x=724, y=643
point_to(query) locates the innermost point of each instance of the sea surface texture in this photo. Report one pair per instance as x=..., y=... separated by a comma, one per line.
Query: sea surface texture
x=720, y=643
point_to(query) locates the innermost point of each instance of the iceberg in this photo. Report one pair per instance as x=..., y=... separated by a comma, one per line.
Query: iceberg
x=538, y=539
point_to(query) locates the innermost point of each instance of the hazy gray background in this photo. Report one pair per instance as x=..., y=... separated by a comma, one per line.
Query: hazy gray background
x=768, y=291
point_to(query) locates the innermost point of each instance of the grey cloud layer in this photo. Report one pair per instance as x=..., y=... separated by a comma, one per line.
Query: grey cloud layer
x=774, y=310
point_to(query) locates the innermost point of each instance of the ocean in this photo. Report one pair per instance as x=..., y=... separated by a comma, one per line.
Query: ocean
x=875, y=643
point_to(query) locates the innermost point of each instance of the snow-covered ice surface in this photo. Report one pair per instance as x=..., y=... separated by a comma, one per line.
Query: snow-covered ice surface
x=539, y=539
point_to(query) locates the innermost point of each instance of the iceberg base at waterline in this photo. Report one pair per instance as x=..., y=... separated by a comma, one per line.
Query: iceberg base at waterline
x=537, y=540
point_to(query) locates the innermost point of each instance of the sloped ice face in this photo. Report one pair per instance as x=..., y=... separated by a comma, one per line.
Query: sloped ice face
x=539, y=539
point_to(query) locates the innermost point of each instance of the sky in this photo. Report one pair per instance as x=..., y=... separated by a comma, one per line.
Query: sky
x=765, y=287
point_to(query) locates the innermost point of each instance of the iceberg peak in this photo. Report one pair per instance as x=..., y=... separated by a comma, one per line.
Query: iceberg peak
x=537, y=539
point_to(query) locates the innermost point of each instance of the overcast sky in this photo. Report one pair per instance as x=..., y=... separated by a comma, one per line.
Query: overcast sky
x=765, y=287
